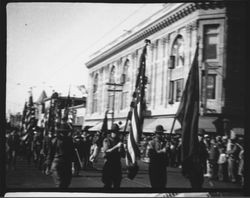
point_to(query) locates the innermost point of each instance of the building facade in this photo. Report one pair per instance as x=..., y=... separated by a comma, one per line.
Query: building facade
x=76, y=109
x=174, y=31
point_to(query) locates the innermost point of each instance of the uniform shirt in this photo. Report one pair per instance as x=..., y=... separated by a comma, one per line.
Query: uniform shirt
x=116, y=154
x=159, y=158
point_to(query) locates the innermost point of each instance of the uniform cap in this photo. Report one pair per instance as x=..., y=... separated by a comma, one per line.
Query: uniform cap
x=159, y=129
x=115, y=128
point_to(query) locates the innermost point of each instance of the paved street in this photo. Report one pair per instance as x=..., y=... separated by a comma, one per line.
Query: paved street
x=28, y=176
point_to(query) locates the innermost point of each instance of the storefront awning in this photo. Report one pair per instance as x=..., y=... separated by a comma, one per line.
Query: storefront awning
x=91, y=122
x=98, y=126
x=205, y=123
x=150, y=124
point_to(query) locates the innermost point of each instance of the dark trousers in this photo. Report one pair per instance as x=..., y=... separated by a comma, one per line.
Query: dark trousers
x=112, y=174
x=62, y=174
x=214, y=168
x=222, y=172
x=157, y=176
x=232, y=169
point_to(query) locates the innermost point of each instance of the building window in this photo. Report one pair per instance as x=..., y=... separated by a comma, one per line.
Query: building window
x=175, y=90
x=211, y=85
x=177, y=53
x=179, y=89
x=110, y=102
x=211, y=40
x=95, y=88
x=124, y=99
x=112, y=75
x=171, y=92
x=124, y=76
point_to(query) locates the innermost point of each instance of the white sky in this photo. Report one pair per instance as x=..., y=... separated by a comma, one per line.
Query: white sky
x=48, y=44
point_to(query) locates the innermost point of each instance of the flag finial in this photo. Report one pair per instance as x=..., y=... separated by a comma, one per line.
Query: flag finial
x=147, y=41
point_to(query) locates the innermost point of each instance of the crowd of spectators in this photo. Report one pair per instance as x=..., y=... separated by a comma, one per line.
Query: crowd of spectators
x=223, y=161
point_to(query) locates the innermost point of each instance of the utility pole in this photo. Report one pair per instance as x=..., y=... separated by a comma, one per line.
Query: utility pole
x=114, y=90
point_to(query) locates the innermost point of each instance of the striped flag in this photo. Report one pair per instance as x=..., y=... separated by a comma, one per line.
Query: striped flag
x=30, y=117
x=188, y=116
x=23, y=117
x=29, y=120
x=135, y=117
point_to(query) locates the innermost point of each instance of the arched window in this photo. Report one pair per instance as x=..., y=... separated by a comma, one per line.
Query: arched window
x=125, y=89
x=112, y=75
x=177, y=53
x=124, y=76
x=95, y=88
x=111, y=94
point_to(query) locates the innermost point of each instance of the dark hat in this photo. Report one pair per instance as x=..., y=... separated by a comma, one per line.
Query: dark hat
x=201, y=132
x=159, y=129
x=115, y=128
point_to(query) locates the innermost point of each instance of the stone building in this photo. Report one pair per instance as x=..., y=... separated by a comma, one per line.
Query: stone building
x=174, y=31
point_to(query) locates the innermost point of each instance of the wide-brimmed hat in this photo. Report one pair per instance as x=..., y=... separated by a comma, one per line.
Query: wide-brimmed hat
x=159, y=129
x=115, y=128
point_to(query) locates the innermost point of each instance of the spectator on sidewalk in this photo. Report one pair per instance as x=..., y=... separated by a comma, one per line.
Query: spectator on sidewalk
x=213, y=158
x=233, y=159
x=95, y=149
x=222, y=164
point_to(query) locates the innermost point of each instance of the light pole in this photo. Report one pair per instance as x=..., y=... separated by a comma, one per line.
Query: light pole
x=114, y=90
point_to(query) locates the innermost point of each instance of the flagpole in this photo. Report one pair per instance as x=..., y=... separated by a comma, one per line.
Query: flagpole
x=172, y=128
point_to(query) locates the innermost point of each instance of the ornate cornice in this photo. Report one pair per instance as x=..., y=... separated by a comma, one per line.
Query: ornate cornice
x=157, y=25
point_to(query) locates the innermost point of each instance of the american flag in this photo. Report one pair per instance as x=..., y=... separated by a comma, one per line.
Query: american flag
x=29, y=118
x=135, y=116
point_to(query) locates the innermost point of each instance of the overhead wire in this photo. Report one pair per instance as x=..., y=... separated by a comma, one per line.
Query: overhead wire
x=97, y=41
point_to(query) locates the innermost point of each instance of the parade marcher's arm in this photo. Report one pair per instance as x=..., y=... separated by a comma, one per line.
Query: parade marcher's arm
x=122, y=151
x=118, y=145
x=163, y=150
x=108, y=151
x=51, y=153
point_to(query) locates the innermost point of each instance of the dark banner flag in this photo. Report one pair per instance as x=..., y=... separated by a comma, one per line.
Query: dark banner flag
x=23, y=118
x=188, y=116
x=104, y=128
x=135, y=117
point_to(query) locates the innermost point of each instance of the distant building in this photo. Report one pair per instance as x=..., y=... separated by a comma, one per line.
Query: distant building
x=174, y=31
x=76, y=106
x=16, y=120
